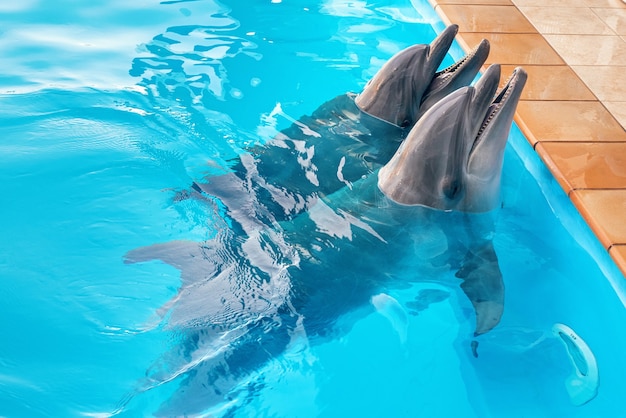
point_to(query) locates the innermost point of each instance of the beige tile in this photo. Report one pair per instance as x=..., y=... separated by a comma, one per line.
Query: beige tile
x=569, y=121
x=589, y=49
x=500, y=2
x=606, y=82
x=618, y=110
x=515, y=49
x=487, y=18
x=618, y=4
x=586, y=165
x=605, y=212
x=618, y=252
x=613, y=18
x=566, y=20
x=552, y=3
x=550, y=82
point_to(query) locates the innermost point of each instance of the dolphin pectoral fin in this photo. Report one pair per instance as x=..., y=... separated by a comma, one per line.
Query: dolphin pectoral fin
x=196, y=261
x=483, y=285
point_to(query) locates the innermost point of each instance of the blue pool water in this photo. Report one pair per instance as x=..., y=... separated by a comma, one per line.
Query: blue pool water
x=109, y=110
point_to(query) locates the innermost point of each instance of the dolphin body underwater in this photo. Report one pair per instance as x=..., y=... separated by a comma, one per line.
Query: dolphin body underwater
x=264, y=284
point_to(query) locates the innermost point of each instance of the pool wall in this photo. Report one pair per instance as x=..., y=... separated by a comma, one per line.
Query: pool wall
x=573, y=109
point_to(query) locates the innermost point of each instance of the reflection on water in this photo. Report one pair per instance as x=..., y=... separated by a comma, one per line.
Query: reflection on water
x=191, y=57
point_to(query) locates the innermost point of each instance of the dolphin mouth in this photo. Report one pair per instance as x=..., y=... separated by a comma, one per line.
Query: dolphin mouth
x=463, y=62
x=503, y=104
x=462, y=69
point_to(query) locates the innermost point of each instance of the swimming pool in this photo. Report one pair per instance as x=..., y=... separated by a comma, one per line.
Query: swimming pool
x=110, y=110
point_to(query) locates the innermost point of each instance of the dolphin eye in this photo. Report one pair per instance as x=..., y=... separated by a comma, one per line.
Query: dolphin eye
x=405, y=123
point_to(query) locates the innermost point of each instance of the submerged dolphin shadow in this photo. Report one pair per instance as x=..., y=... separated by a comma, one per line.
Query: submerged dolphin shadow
x=280, y=276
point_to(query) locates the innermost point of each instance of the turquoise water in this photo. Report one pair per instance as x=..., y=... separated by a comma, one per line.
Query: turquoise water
x=109, y=110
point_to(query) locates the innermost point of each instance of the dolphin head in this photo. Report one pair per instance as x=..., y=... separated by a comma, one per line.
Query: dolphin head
x=408, y=84
x=452, y=157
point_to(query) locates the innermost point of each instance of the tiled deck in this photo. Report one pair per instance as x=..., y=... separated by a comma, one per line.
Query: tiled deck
x=573, y=109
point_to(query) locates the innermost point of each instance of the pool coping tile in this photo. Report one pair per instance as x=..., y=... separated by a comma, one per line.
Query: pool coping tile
x=604, y=212
x=550, y=82
x=618, y=253
x=570, y=120
x=618, y=110
x=589, y=49
x=607, y=82
x=515, y=48
x=487, y=18
x=465, y=2
x=614, y=18
x=566, y=20
x=586, y=165
x=551, y=4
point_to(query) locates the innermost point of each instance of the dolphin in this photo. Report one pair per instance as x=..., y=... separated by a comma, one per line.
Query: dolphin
x=249, y=296
x=346, y=138
x=452, y=161
x=409, y=83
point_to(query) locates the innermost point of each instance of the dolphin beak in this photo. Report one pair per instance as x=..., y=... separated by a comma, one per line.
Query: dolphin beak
x=457, y=75
x=494, y=130
x=484, y=93
x=441, y=45
x=506, y=101
x=467, y=67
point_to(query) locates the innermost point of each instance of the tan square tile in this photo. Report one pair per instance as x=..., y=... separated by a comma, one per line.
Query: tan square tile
x=551, y=3
x=618, y=110
x=487, y=18
x=550, y=82
x=618, y=252
x=569, y=121
x=586, y=165
x=566, y=20
x=605, y=212
x=589, y=49
x=515, y=49
x=618, y=4
x=500, y=2
x=613, y=18
x=606, y=82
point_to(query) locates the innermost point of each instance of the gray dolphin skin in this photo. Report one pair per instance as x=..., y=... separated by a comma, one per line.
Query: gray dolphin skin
x=452, y=158
x=409, y=83
x=349, y=136
x=314, y=235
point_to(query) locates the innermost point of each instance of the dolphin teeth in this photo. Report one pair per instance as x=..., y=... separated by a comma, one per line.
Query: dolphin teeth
x=447, y=72
x=498, y=101
x=487, y=121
